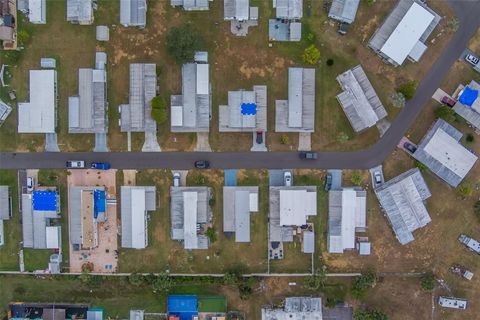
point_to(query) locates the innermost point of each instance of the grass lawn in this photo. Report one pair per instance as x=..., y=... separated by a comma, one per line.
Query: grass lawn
x=12, y=228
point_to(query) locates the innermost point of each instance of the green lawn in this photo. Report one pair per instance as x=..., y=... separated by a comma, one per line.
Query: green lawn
x=12, y=228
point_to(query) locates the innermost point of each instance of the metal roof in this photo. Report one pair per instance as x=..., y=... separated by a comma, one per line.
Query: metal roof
x=359, y=100
x=453, y=303
x=2, y=238
x=238, y=202
x=102, y=33
x=236, y=10
x=80, y=11
x=53, y=237
x=137, y=314
x=5, y=110
x=191, y=5
x=441, y=151
x=308, y=242
x=344, y=10
x=296, y=308
x=37, y=11
x=38, y=115
x=402, y=199
x=4, y=203
x=135, y=202
x=133, y=13
x=289, y=9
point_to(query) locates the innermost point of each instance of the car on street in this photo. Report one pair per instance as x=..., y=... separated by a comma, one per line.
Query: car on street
x=202, y=164
x=100, y=165
x=30, y=183
x=75, y=164
x=448, y=101
x=308, y=155
x=259, y=137
x=287, y=177
x=176, y=179
x=377, y=177
x=470, y=58
x=328, y=182
x=410, y=147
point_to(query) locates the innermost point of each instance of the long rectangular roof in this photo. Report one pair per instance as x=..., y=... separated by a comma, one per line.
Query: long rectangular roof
x=37, y=11
x=80, y=11
x=441, y=151
x=403, y=198
x=133, y=13
x=290, y=9
x=344, y=10
x=191, y=5
x=359, y=100
x=236, y=9
x=238, y=202
x=296, y=308
x=4, y=203
x=38, y=115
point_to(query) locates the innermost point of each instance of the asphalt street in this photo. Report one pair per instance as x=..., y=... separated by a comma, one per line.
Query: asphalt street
x=468, y=14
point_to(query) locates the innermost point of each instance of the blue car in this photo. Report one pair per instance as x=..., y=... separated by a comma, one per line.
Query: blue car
x=100, y=165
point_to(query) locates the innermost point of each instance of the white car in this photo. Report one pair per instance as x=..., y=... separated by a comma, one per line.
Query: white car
x=287, y=177
x=30, y=183
x=176, y=179
x=470, y=58
x=378, y=177
x=75, y=164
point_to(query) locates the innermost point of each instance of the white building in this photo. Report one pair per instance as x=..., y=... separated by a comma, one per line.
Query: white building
x=37, y=11
x=452, y=303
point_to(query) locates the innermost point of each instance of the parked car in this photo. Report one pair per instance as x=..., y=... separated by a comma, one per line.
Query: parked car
x=410, y=147
x=287, y=177
x=202, y=164
x=30, y=183
x=470, y=58
x=328, y=182
x=308, y=155
x=100, y=165
x=377, y=175
x=176, y=179
x=75, y=164
x=259, y=137
x=448, y=101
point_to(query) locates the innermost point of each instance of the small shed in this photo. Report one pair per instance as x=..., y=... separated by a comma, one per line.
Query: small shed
x=48, y=63
x=364, y=248
x=103, y=33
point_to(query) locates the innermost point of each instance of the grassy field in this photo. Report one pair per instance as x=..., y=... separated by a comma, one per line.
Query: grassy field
x=12, y=229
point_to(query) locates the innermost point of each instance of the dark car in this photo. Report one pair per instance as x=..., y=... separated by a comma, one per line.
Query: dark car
x=202, y=164
x=448, y=101
x=259, y=137
x=308, y=155
x=100, y=165
x=410, y=147
x=328, y=182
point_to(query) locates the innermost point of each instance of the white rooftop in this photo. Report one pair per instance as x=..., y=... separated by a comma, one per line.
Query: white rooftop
x=38, y=115
x=407, y=33
x=190, y=219
x=296, y=206
x=37, y=11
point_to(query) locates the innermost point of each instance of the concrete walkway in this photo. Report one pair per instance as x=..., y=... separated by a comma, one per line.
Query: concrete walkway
x=383, y=126
x=304, y=141
x=51, y=144
x=151, y=142
x=202, y=142
x=100, y=142
x=258, y=147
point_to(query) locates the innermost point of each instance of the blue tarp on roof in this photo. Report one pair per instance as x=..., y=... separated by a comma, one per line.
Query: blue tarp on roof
x=248, y=108
x=468, y=96
x=44, y=200
x=99, y=202
x=183, y=306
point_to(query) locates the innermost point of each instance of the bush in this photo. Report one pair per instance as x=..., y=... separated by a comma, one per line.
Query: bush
x=159, y=110
x=408, y=89
x=311, y=37
x=356, y=179
x=444, y=112
x=428, y=282
x=398, y=100
x=371, y=314
x=420, y=166
x=22, y=37
x=182, y=42
x=469, y=138
x=163, y=283
x=311, y=55
x=211, y=234
x=453, y=24
x=211, y=201
x=362, y=283
x=330, y=62
x=135, y=279
x=465, y=190
x=370, y=2
x=284, y=139
x=245, y=288
x=476, y=209
x=343, y=137
x=315, y=281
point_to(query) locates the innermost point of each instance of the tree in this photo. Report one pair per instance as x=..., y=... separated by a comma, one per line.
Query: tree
x=159, y=110
x=420, y=166
x=408, y=89
x=398, y=100
x=311, y=55
x=135, y=279
x=370, y=314
x=316, y=281
x=330, y=62
x=362, y=283
x=162, y=283
x=444, y=112
x=284, y=139
x=356, y=179
x=427, y=282
x=465, y=190
x=343, y=137
x=182, y=42
x=211, y=234
x=453, y=24
x=22, y=37
x=469, y=138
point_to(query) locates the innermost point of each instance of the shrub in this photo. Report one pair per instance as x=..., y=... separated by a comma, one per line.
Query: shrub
x=211, y=234
x=469, y=138
x=182, y=42
x=315, y=281
x=284, y=139
x=420, y=166
x=311, y=55
x=343, y=137
x=408, y=89
x=476, y=209
x=398, y=100
x=428, y=282
x=311, y=37
x=444, y=112
x=370, y=2
x=135, y=279
x=22, y=37
x=371, y=314
x=330, y=62
x=356, y=179
x=362, y=283
x=211, y=201
x=245, y=288
x=465, y=190
x=163, y=283
x=159, y=110
x=453, y=24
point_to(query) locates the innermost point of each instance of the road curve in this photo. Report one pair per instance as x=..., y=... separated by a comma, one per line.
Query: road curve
x=467, y=12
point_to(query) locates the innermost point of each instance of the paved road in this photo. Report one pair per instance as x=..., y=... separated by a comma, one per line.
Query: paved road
x=467, y=12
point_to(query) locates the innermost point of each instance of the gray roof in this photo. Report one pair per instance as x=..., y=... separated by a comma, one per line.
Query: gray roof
x=231, y=118
x=298, y=113
x=308, y=242
x=87, y=112
x=80, y=11
x=5, y=110
x=133, y=13
x=289, y=9
x=344, y=10
x=177, y=213
x=468, y=113
x=236, y=211
x=4, y=203
x=191, y=111
x=190, y=5
x=137, y=314
x=236, y=9
x=381, y=36
x=296, y=308
x=403, y=200
x=75, y=212
x=441, y=151
x=102, y=33
x=280, y=30
x=359, y=100
x=128, y=228
x=135, y=116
